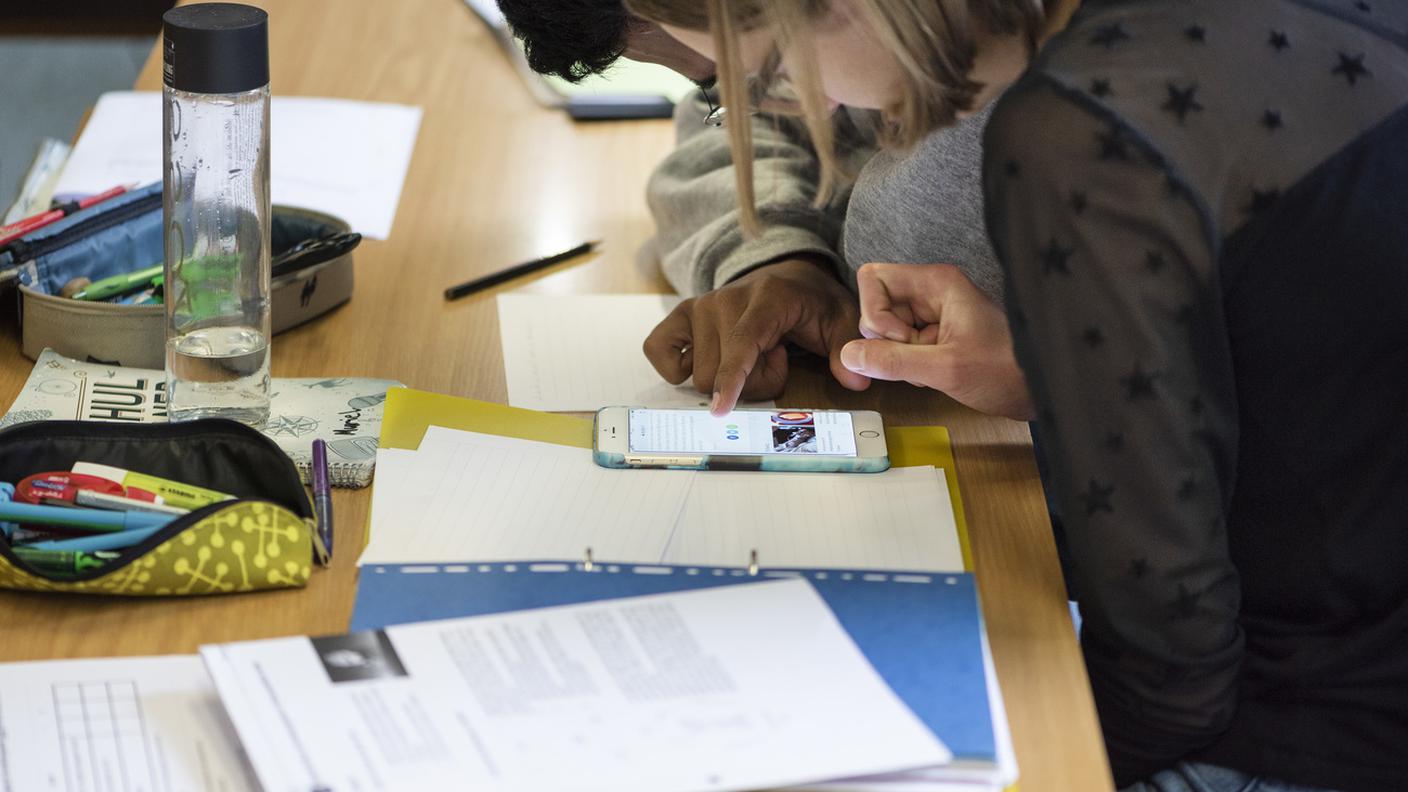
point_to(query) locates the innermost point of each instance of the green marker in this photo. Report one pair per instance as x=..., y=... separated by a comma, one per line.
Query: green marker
x=120, y=284
x=63, y=562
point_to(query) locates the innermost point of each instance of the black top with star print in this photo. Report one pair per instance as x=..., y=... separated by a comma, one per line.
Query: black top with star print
x=1202, y=210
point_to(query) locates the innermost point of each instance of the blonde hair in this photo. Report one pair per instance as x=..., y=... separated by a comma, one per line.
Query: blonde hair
x=934, y=43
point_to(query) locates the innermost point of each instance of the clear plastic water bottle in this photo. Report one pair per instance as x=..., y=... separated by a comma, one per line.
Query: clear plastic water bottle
x=215, y=121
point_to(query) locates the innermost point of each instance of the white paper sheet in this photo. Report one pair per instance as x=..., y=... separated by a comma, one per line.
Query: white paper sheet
x=338, y=156
x=117, y=725
x=469, y=496
x=582, y=352
x=466, y=496
x=956, y=776
x=712, y=689
x=901, y=519
x=390, y=504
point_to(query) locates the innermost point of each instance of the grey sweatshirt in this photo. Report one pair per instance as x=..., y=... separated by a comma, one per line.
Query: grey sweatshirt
x=919, y=206
x=925, y=206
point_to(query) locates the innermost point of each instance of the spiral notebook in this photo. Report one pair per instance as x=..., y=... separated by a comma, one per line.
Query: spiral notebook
x=346, y=412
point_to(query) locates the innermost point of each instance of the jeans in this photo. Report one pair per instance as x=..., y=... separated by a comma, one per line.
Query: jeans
x=1198, y=777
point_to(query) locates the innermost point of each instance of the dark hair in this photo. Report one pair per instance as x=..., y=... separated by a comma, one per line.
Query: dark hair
x=571, y=39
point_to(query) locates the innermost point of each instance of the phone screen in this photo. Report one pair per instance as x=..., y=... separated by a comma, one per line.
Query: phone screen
x=742, y=432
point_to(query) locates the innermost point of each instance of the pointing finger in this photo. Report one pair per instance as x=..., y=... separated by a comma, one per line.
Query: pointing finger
x=755, y=333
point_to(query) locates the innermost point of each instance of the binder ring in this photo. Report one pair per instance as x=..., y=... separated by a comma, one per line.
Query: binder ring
x=587, y=562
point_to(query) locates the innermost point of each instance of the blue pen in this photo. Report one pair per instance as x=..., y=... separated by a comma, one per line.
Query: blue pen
x=92, y=544
x=7, y=494
x=81, y=519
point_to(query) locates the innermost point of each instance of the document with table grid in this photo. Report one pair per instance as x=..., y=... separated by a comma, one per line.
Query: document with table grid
x=131, y=724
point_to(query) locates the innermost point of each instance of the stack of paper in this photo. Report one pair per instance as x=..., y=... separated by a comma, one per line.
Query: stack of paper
x=729, y=688
x=923, y=633
x=466, y=496
x=722, y=686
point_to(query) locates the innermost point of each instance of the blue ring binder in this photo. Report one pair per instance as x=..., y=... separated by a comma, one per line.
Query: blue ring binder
x=923, y=632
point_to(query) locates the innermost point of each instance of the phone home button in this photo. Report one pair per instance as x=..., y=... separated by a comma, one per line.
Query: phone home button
x=870, y=433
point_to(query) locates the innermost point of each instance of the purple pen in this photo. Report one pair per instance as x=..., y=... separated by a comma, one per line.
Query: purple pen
x=322, y=497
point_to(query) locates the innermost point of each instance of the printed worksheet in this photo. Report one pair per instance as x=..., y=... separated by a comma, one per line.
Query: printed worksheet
x=582, y=352
x=708, y=689
x=132, y=724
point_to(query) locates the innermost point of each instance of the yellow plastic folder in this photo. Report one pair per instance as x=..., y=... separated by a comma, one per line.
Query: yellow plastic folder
x=410, y=412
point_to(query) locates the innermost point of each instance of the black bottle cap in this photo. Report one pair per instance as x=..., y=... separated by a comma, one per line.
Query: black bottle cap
x=215, y=48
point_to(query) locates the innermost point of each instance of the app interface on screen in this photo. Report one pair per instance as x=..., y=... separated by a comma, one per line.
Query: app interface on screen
x=742, y=432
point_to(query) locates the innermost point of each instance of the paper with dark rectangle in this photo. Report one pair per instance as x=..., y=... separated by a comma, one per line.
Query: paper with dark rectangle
x=923, y=633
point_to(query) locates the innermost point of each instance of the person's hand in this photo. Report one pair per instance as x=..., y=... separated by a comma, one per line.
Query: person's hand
x=928, y=325
x=732, y=340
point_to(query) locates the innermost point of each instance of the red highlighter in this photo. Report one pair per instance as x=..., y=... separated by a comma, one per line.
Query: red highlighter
x=19, y=228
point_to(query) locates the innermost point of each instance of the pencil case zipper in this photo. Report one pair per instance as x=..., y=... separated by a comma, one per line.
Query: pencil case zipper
x=22, y=251
x=129, y=554
x=137, y=552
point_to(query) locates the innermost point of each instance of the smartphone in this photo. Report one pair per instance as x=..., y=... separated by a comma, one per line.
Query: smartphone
x=826, y=441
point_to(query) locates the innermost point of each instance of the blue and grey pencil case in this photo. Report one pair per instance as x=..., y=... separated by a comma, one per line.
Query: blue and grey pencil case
x=124, y=234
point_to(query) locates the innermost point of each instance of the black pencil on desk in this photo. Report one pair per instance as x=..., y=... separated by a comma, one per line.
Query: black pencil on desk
x=516, y=271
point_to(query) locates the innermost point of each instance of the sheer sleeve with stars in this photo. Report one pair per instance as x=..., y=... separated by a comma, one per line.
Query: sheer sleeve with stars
x=1114, y=313
x=1136, y=182
x=1198, y=208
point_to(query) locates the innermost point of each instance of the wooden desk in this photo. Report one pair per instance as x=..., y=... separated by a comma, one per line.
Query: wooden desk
x=496, y=179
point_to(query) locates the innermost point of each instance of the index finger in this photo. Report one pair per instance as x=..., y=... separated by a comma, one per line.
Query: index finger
x=754, y=333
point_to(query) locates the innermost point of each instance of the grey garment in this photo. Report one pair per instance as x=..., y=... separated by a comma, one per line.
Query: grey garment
x=925, y=206
x=1200, y=777
x=920, y=206
x=699, y=241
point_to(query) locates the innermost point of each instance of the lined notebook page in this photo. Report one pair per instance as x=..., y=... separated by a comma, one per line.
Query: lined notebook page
x=901, y=519
x=391, y=505
x=465, y=497
x=582, y=352
x=489, y=498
